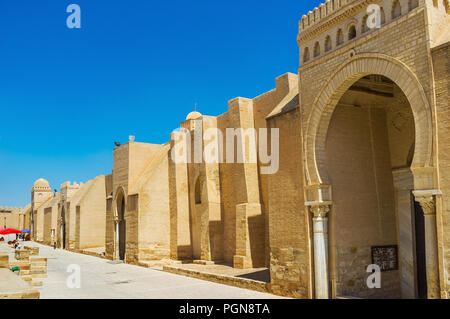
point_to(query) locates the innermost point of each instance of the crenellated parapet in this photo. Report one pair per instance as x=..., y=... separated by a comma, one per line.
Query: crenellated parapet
x=329, y=10
x=337, y=23
x=70, y=185
x=10, y=210
x=68, y=189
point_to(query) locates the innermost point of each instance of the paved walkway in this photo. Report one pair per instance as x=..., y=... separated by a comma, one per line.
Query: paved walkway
x=101, y=279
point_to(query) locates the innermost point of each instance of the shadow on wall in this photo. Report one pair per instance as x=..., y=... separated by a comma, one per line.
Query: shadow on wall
x=216, y=239
x=184, y=252
x=256, y=227
x=263, y=275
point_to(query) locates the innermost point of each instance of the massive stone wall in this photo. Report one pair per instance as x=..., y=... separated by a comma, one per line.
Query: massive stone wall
x=140, y=176
x=10, y=217
x=403, y=39
x=153, y=208
x=91, y=215
x=441, y=68
x=288, y=217
x=231, y=212
x=50, y=219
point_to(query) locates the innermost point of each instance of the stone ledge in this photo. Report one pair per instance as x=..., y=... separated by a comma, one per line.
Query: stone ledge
x=13, y=287
x=204, y=262
x=34, y=251
x=221, y=279
x=88, y=253
x=91, y=253
x=4, y=261
x=22, y=254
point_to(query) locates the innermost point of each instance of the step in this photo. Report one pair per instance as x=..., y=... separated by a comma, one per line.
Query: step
x=13, y=287
x=220, y=278
x=36, y=283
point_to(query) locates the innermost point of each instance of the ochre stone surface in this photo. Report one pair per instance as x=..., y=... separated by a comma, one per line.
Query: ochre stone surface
x=13, y=287
x=364, y=158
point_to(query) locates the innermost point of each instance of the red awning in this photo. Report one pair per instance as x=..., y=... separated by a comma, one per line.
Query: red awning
x=8, y=231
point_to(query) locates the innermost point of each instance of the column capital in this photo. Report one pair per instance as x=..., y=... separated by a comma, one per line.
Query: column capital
x=426, y=199
x=428, y=205
x=319, y=209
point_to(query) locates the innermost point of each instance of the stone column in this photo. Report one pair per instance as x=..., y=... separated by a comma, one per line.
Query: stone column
x=320, y=228
x=427, y=202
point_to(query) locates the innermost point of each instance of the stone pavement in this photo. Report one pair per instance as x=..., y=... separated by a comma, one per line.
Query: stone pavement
x=13, y=287
x=102, y=279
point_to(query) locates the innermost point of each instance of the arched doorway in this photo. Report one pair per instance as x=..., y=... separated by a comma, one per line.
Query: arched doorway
x=368, y=154
x=63, y=229
x=378, y=201
x=121, y=225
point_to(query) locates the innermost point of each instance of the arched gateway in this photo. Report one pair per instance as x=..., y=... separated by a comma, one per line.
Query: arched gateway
x=342, y=79
x=63, y=235
x=120, y=226
x=350, y=153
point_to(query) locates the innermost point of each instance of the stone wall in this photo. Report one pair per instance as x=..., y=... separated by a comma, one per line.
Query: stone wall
x=71, y=226
x=47, y=226
x=352, y=276
x=241, y=186
x=402, y=42
x=180, y=230
x=141, y=173
x=132, y=229
x=288, y=218
x=51, y=219
x=10, y=217
x=441, y=68
x=109, y=229
x=92, y=215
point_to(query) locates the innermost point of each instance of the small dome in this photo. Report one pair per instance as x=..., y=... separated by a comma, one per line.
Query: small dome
x=193, y=115
x=41, y=183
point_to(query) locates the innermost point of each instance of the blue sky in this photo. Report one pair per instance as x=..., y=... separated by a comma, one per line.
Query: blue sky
x=135, y=67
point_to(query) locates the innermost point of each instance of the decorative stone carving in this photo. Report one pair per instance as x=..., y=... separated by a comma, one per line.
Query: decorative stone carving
x=320, y=210
x=428, y=204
